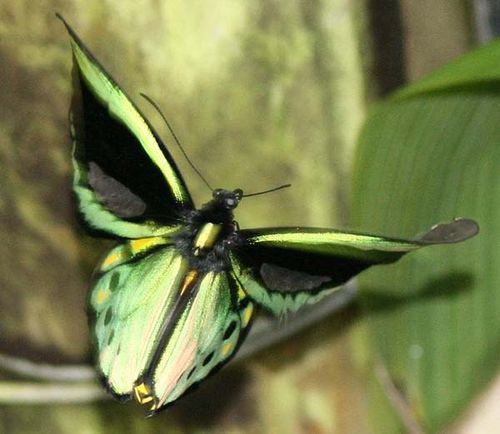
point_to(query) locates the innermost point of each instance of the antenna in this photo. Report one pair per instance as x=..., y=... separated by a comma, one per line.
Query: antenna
x=268, y=191
x=148, y=99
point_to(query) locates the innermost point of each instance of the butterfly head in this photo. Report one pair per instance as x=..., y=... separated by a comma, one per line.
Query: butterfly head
x=227, y=199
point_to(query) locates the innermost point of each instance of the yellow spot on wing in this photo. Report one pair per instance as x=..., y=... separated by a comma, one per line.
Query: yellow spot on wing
x=111, y=259
x=226, y=349
x=102, y=296
x=241, y=293
x=247, y=315
x=145, y=243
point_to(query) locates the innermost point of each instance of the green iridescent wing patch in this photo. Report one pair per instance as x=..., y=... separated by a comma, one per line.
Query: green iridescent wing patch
x=126, y=182
x=283, y=269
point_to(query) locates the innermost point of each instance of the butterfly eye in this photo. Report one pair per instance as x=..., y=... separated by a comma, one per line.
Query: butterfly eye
x=217, y=193
x=238, y=193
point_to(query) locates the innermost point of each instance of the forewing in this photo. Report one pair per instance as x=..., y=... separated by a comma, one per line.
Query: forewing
x=132, y=296
x=206, y=336
x=125, y=181
x=284, y=269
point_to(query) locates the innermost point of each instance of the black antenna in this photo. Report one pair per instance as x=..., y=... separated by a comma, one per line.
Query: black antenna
x=268, y=191
x=148, y=99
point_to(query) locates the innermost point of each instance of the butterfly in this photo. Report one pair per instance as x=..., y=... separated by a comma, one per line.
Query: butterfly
x=174, y=299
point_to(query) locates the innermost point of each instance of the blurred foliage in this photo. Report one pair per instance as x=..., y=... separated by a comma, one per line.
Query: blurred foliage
x=428, y=154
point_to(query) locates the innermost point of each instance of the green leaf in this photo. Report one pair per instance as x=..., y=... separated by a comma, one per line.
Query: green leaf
x=431, y=153
x=476, y=68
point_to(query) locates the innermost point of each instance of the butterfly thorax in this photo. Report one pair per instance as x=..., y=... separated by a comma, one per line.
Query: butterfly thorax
x=210, y=232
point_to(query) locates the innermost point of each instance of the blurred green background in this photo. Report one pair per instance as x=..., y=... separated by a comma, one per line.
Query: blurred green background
x=263, y=93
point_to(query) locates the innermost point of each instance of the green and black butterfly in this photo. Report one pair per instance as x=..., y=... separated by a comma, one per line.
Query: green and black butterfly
x=174, y=299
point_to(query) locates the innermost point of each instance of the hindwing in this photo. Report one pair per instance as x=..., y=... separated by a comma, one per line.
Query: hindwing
x=129, y=302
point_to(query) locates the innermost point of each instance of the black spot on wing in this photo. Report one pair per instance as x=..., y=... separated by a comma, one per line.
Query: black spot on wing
x=108, y=316
x=282, y=279
x=114, y=195
x=191, y=372
x=229, y=331
x=113, y=282
x=207, y=359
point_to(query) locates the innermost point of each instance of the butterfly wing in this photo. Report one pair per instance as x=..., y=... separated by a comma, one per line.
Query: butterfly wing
x=134, y=292
x=126, y=183
x=160, y=329
x=206, y=336
x=283, y=269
